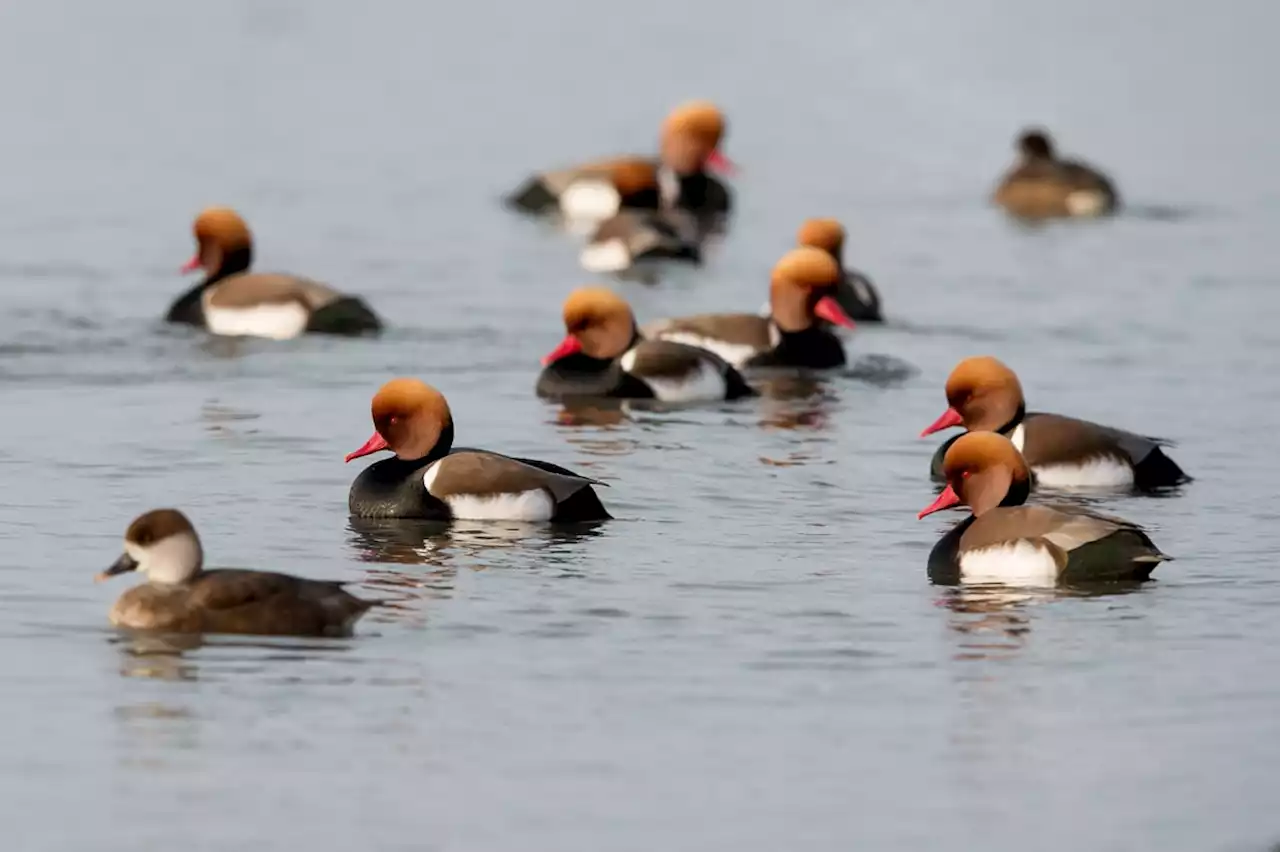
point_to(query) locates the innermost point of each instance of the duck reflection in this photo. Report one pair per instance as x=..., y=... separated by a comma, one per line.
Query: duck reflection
x=799, y=406
x=994, y=621
x=174, y=657
x=460, y=544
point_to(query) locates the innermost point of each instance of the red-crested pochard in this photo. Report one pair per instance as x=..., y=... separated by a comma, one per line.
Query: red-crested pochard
x=603, y=355
x=677, y=178
x=429, y=479
x=180, y=596
x=984, y=395
x=855, y=293
x=638, y=236
x=235, y=302
x=1043, y=186
x=801, y=292
x=1004, y=541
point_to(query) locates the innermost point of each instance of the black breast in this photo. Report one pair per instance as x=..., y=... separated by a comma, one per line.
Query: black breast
x=581, y=376
x=188, y=308
x=814, y=348
x=393, y=488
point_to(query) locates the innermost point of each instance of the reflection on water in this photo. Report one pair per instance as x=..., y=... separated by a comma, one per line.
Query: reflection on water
x=449, y=546
x=994, y=621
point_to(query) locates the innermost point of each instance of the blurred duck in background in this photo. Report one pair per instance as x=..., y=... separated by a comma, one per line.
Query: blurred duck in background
x=1041, y=185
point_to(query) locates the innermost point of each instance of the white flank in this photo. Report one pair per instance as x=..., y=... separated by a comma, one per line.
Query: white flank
x=608, y=256
x=699, y=385
x=1086, y=202
x=1020, y=563
x=736, y=354
x=533, y=505
x=1018, y=437
x=1093, y=474
x=277, y=322
x=590, y=200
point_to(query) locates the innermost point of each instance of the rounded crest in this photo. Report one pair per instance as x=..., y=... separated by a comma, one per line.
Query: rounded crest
x=807, y=267
x=223, y=226
x=157, y=525
x=825, y=234
x=700, y=119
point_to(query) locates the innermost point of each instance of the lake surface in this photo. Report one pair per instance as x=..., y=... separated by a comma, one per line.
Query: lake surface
x=750, y=657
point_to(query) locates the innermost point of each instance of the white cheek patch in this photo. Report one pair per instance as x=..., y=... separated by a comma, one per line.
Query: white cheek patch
x=1086, y=202
x=1020, y=563
x=607, y=256
x=736, y=354
x=590, y=200
x=534, y=505
x=701, y=384
x=276, y=322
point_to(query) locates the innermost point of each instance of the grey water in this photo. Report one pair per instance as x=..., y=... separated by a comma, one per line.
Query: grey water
x=750, y=657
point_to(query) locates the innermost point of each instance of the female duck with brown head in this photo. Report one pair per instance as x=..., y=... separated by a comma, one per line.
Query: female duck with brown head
x=180, y=596
x=235, y=302
x=603, y=355
x=678, y=178
x=1003, y=541
x=801, y=292
x=984, y=395
x=430, y=480
x=1043, y=186
x=855, y=293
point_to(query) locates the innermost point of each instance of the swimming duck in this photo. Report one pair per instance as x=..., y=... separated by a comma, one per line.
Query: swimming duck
x=430, y=480
x=801, y=292
x=603, y=355
x=984, y=395
x=180, y=596
x=855, y=293
x=233, y=301
x=677, y=178
x=1041, y=185
x=1003, y=541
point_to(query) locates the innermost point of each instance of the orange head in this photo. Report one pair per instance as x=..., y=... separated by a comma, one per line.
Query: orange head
x=691, y=137
x=598, y=323
x=983, y=395
x=219, y=231
x=825, y=234
x=983, y=470
x=410, y=418
x=802, y=288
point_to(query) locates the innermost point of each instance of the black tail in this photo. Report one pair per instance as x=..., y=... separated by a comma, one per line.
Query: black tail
x=348, y=315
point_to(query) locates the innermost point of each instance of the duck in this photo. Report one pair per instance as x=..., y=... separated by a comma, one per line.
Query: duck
x=603, y=355
x=1005, y=541
x=633, y=237
x=1043, y=186
x=855, y=293
x=801, y=295
x=181, y=596
x=984, y=395
x=233, y=301
x=678, y=177
x=429, y=479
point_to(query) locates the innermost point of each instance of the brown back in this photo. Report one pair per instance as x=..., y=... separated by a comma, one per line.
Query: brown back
x=253, y=289
x=740, y=329
x=234, y=601
x=475, y=473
